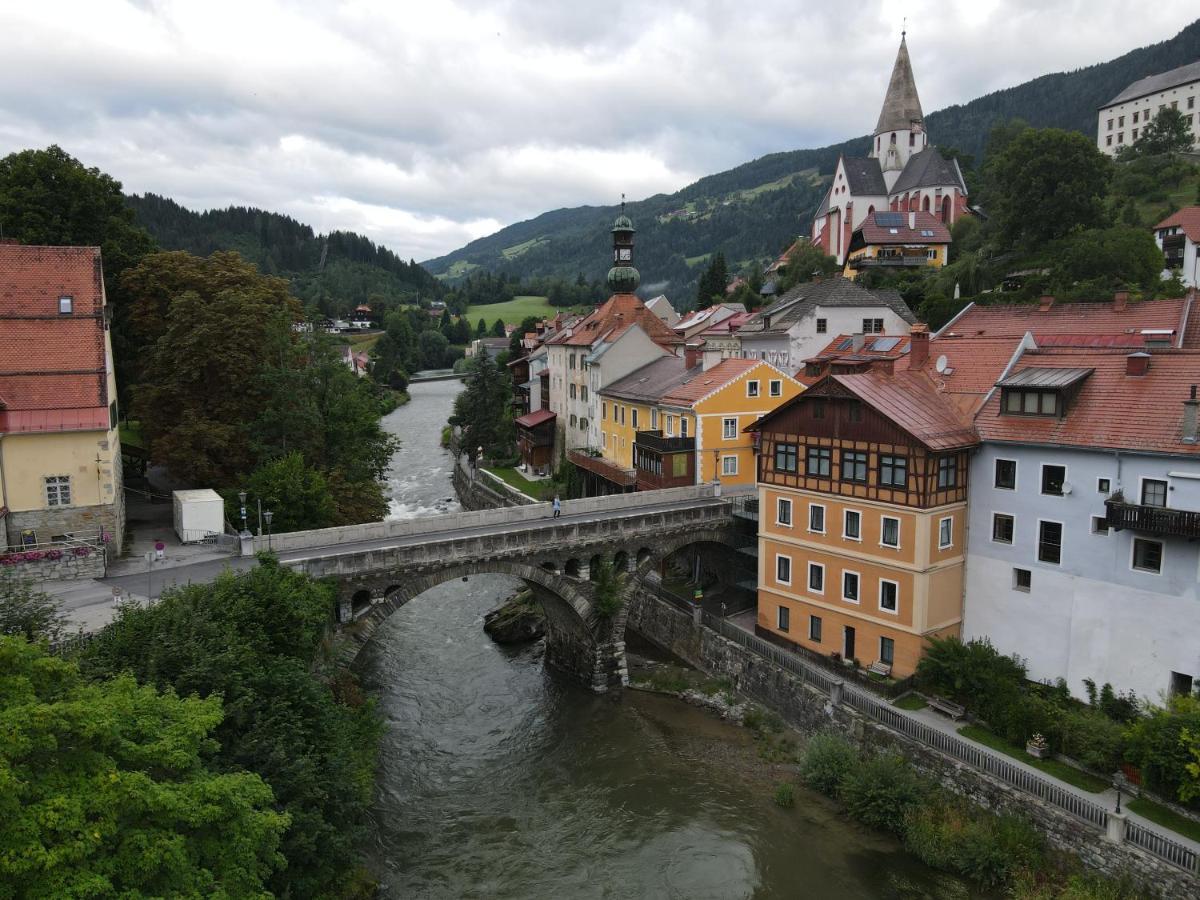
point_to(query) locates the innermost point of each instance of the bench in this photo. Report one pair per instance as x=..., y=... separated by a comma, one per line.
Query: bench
x=879, y=667
x=953, y=710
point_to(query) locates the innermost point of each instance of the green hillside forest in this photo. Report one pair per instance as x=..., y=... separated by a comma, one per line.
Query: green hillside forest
x=754, y=211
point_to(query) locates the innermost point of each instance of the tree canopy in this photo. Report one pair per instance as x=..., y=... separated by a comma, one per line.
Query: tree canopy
x=484, y=409
x=1169, y=132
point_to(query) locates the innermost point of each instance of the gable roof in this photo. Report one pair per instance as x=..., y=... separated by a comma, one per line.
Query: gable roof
x=929, y=169
x=864, y=177
x=647, y=384
x=793, y=306
x=901, y=105
x=1014, y=320
x=613, y=319
x=1111, y=410
x=1152, y=84
x=913, y=402
x=881, y=227
x=1186, y=220
x=699, y=385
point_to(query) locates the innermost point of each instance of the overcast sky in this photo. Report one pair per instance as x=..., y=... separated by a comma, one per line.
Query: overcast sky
x=426, y=124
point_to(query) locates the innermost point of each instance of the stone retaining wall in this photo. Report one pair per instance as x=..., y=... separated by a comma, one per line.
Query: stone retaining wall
x=67, y=566
x=485, y=492
x=811, y=710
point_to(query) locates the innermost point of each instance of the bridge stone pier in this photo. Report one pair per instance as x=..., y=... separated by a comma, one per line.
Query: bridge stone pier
x=556, y=558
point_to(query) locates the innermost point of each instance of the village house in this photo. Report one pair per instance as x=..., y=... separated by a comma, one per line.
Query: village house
x=60, y=451
x=893, y=240
x=1178, y=236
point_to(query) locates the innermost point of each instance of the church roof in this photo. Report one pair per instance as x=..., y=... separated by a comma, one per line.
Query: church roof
x=929, y=169
x=901, y=105
x=1152, y=84
x=864, y=177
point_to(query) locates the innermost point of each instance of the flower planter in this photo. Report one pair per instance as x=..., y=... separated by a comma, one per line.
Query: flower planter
x=1036, y=750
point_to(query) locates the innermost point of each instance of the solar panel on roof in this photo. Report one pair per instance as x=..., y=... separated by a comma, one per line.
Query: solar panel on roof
x=845, y=345
x=889, y=219
x=882, y=345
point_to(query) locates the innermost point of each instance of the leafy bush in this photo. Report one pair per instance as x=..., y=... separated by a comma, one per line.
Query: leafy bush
x=880, y=791
x=1155, y=744
x=827, y=760
x=990, y=849
x=1092, y=738
x=969, y=672
x=785, y=796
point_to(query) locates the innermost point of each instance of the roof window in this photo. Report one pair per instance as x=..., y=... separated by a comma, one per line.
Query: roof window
x=65, y=306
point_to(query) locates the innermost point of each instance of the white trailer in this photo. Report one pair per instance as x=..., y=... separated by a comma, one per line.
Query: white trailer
x=199, y=515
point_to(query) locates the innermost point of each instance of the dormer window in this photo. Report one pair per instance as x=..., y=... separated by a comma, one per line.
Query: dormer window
x=65, y=306
x=1040, y=391
x=1031, y=403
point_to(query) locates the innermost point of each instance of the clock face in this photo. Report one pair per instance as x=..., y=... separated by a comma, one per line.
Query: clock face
x=624, y=255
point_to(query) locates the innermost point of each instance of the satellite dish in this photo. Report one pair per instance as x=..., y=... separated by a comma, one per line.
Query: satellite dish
x=941, y=364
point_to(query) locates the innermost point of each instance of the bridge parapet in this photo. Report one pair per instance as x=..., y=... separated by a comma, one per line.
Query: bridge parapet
x=449, y=522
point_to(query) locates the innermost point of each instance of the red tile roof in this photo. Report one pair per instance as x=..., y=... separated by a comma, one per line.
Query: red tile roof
x=1111, y=410
x=52, y=366
x=874, y=233
x=914, y=402
x=535, y=418
x=611, y=320
x=709, y=380
x=1014, y=320
x=1186, y=220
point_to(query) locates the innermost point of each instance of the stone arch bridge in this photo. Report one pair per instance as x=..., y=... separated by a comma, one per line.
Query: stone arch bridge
x=556, y=558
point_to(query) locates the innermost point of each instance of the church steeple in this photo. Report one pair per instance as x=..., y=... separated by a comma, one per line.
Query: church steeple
x=901, y=105
x=623, y=278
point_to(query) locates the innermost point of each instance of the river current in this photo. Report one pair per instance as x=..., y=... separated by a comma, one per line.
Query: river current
x=499, y=778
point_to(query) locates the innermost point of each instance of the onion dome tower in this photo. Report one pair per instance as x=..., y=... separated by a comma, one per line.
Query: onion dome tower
x=623, y=278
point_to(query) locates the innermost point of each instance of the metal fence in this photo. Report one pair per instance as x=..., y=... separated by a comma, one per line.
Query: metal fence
x=972, y=754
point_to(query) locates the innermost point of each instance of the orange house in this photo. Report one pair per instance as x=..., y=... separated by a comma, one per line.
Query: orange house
x=862, y=487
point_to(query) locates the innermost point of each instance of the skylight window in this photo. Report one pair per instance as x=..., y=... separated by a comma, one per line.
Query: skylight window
x=893, y=231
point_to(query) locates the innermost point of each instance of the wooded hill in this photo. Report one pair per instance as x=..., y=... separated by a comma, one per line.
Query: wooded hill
x=752, y=212
x=334, y=271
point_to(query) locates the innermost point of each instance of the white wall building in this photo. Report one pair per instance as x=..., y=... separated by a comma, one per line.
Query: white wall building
x=1120, y=121
x=1177, y=237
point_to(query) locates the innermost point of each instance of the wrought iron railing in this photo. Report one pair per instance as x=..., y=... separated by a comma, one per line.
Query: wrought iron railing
x=1151, y=519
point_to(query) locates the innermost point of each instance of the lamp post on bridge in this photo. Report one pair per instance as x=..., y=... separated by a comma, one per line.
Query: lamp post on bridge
x=268, y=515
x=242, y=502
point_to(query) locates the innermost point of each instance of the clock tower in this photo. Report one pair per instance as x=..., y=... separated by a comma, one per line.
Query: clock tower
x=623, y=278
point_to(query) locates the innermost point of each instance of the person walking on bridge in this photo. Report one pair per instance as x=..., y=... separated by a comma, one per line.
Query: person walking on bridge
x=557, y=505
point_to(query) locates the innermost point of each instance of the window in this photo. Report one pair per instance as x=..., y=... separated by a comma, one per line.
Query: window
x=783, y=569
x=854, y=465
x=112, y=415
x=571, y=361
x=818, y=463
x=1120, y=137
x=1135, y=134
x=1006, y=474
x=683, y=426
x=1053, y=478
x=571, y=391
x=786, y=458
x=852, y=525
x=621, y=409
x=822, y=326
x=814, y=628
x=65, y=306
x=58, y=490
x=604, y=439
x=887, y=651
x=783, y=512
x=1104, y=486
x=816, y=578
x=889, y=532
x=893, y=471
x=1147, y=556
x=872, y=326
x=572, y=420
x=1031, y=403
x=633, y=417
x=670, y=426
x=583, y=394
x=816, y=518
x=1154, y=492
x=729, y=429
x=1120, y=121
x=1100, y=525
x=1022, y=580
x=783, y=618
x=729, y=465
x=1191, y=102
x=945, y=532
x=654, y=420
x=752, y=388
x=1002, y=528
x=775, y=387
x=850, y=586
x=1050, y=542
x=604, y=411
x=947, y=472
x=889, y=596
x=1108, y=141
x=583, y=423
x=1135, y=117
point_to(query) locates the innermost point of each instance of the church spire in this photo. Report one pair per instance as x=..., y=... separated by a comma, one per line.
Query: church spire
x=901, y=105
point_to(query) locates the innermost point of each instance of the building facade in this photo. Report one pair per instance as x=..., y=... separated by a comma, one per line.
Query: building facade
x=891, y=240
x=60, y=450
x=1120, y=121
x=1178, y=236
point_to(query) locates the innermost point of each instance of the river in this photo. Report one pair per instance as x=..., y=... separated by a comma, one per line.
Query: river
x=500, y=779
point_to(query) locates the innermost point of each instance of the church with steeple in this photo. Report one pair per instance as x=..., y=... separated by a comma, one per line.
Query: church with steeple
x=903, y=173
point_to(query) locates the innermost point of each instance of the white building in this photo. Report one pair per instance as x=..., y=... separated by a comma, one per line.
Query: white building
x=1177, y=236
x=1121, y=120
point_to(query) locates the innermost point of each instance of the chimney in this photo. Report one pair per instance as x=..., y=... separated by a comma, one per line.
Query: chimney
x=1137, y=364
x=711, y=358
x=1045, y=302
x=918, y=348
x=1189, y=417
x=885, y=366
x=692, y=355
x=912, y=219
x=857, y=342
x=1120, y=301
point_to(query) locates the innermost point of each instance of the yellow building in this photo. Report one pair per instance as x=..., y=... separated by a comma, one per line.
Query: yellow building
x=670, y=424
x=862, y=518
x=898, y=240
x=60, y=453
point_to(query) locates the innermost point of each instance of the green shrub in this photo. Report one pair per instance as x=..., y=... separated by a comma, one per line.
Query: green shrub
x=879, y=791
x=1154, y=744
x=785, y=796
x=1092, y=738
x=990, y=849
x=828, y=758
x=969, y=672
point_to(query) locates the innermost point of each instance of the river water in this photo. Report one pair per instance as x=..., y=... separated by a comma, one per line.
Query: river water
x=501, y=779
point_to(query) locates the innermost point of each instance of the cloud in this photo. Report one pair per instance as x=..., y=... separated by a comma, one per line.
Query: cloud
x=426, y=125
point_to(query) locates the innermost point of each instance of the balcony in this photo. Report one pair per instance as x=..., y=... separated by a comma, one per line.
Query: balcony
x=654, y=440
x=1152, y=519
x=898, y=260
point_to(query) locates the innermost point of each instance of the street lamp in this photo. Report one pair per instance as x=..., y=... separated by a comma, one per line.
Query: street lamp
x=242, y=501
x=268, y=515
x=1119, y=782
